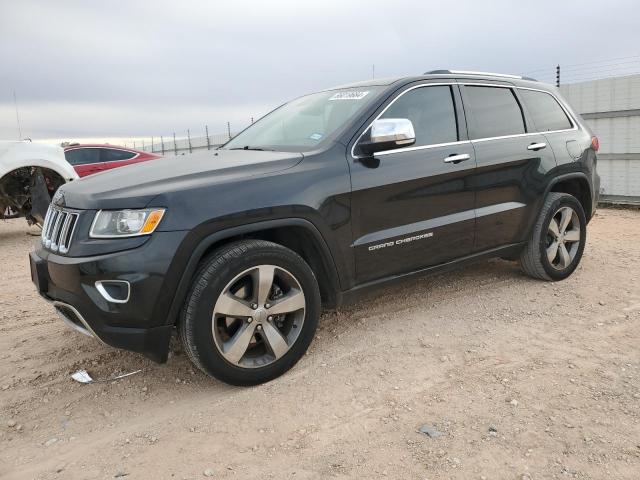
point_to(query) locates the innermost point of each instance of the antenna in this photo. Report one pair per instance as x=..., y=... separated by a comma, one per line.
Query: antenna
x=15, y=102
x=373, y=71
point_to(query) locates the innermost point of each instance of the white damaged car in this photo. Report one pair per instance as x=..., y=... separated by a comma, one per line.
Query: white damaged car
x=30, y=173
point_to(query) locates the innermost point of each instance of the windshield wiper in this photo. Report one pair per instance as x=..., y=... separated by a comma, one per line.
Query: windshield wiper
x=247, y=147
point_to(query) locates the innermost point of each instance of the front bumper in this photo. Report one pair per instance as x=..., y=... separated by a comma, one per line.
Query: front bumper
x=140, y=324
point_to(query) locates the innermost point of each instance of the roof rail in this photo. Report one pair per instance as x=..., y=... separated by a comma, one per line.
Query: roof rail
x=467, y=72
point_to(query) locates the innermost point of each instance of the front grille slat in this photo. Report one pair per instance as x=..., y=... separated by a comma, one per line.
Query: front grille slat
x=58, y=228
x=57, y=231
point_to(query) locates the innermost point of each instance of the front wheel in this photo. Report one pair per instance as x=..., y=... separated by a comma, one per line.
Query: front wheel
x=558, y=239
x=251, y=313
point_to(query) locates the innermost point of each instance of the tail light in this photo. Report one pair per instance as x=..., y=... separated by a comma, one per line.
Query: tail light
x=595, y=143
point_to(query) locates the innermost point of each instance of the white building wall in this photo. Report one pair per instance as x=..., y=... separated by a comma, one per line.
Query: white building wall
x=611, y=108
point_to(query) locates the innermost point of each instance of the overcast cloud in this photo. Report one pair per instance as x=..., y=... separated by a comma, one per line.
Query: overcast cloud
x=85, y=69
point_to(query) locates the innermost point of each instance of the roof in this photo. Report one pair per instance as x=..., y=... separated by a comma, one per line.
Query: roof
x=448, y=74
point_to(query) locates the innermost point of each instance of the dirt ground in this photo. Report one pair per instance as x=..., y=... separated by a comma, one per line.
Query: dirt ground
x=524, y=380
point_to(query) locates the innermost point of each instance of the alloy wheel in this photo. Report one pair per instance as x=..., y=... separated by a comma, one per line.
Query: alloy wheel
x=258, y=316
x=563, y=238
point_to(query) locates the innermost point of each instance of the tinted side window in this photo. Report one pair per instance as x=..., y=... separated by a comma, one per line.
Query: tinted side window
x=113, y=155
x=432, y=112
x=545, y=111
x=495, y=112
x=81, y=156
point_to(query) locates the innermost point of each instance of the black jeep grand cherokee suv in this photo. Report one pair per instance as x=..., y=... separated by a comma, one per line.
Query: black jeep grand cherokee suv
x=326, y=196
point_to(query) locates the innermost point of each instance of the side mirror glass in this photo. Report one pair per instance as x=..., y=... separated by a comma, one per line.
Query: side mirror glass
x=387, y=134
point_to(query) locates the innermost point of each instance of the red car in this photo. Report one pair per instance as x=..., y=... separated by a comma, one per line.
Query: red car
x=89, y=158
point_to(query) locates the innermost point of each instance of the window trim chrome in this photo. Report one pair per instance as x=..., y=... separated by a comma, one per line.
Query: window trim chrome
x=572, y=120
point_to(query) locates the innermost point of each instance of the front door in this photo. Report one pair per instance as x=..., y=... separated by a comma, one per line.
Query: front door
x=413, y=207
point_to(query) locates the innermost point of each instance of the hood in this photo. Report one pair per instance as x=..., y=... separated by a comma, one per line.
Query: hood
x=134, y=186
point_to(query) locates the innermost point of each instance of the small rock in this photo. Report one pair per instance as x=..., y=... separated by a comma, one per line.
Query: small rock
x=444, y=358
x=493, y=431
x=120, y=474
x=430, y=431
x=50, y=442
x=18, y=428
x=144, y=389
x=11, y=423
x=514, y=402
x=601, y=302
x=208, y=472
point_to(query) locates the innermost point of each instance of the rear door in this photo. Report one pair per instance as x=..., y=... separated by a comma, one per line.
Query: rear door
x=550, y=118
x=512, y=160
x=412, y=207
x=85, y=160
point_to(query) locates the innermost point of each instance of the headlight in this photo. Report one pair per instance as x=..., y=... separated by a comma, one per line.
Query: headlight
x=125, y=223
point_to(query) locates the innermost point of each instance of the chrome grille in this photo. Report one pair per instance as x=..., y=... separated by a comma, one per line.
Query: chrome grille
x=58, y=228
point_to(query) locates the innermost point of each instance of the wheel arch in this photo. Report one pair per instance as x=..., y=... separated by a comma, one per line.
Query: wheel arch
x=21, y=181
x=576, y=184
x=297, y=234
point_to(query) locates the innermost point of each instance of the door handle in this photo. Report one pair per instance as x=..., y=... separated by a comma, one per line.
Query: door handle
x=457, y=158
x=537, y=146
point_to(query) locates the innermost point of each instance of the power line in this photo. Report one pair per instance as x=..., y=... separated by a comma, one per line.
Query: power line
x=541, y=69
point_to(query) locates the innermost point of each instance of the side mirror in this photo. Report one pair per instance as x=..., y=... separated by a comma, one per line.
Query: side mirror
x=387, y=134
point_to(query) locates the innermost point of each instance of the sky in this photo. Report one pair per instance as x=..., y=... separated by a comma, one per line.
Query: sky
x=116, y=70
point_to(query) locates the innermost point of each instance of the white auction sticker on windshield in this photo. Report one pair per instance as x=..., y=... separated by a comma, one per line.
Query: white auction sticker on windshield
x=353, y=95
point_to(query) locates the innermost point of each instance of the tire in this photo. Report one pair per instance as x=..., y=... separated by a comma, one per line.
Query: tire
x=230, y=282
x=535, y=258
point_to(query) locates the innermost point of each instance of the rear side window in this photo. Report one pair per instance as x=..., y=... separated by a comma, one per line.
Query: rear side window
x=545, y=111
x=82, y=156
x=113, y=155
x=494, y=111
x=432, y=112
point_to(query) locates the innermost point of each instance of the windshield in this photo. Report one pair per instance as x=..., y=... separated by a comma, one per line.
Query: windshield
x=304, y=122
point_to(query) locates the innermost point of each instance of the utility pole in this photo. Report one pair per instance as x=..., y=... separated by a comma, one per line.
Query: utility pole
x=558, y=76
x=144, y=148
x=251, y=120
x=189, y=140
x=162, y=144
x=229, y=129
x=175, y=145
x=373, y=71
x=151, y=144
x=15, y=102
x=206, y=129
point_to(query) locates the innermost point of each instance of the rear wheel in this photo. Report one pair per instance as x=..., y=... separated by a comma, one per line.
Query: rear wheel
x=251, y=312
x=557, y=243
